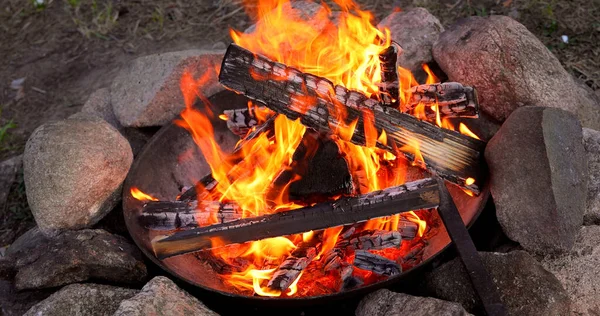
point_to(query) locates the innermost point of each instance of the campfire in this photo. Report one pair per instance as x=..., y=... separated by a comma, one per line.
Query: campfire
x=331, y=186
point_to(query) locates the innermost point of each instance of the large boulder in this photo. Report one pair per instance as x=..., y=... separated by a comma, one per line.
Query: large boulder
x=539, y=178
x=161, y=296
x=511, y=68
x=591, y=143
x=416, y=30
x=74, y=256
x=73, y=172
x=82, y=299
x=387, y=303
x=147, y=92
x=578, y=272
x=525, y=287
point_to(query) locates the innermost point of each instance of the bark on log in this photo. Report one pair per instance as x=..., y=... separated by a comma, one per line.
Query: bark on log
x=453, y=99
x=377, y=264
x=171, y=215
x=292, y=266
x=421, y=194
x=319, y=105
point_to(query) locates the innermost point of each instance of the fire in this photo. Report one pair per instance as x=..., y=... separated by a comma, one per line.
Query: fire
x=139, y=195
x=345, y=52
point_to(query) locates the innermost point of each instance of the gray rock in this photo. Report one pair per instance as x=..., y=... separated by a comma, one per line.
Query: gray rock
x=511, y=68
x=75, y=256
x=539, y=178
x=82, y=299
x=387, y=303
x=416, y=30
x=8, y=171
x=161, y=296
x=99, y=104
x=147, y=92
x=591, y=142
x=579, y=272
x=16, y=303
x=524, y=286
x=73, y=172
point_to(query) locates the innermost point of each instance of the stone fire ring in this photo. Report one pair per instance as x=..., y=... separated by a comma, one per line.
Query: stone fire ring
x=171, y=160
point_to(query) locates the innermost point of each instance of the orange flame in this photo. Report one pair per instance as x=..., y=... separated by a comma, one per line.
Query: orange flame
x=139, y=195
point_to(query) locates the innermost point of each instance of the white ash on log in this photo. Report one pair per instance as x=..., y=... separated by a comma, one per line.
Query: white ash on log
x=452, y=98
x=170, y=215
x=292, y=266
x=369, y=239
x=377, y=264
x=408, y=229
x=421, y=194
x=331, y=260
x=315, y=100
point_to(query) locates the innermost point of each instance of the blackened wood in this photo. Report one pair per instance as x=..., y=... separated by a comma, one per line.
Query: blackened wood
x=408, y=229
x=240, y=121
x=421, y=194
x=366, y=240
x=319, y=105
x=331, y=260
x=481, y=279
x=389, y=86
x=377, y=264
x=453, y=99
x=292, y=266
x=349, y=280
x=171, y=215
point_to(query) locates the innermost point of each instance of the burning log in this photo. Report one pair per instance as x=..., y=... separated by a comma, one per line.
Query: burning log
x=292, y=266
x=331, y=260
x=451, y=155
x=349, y=280
x=375, y=263
x=453, y=99
x=415, y=195
x=408, y=229
x=389, y=86
x=240, y=121
x=372, y=240
x=170, y=215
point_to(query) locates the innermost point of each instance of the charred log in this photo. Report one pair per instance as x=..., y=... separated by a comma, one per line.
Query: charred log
x=292, y=266
x=167, y=215
x=389, y=86
x=349, y=280
x=408, y=229
x=331, y=260
x=421, y=194
x=317, y=103
x=377, y=264
x=372, y=240
x=453, y=99
x=240, y=121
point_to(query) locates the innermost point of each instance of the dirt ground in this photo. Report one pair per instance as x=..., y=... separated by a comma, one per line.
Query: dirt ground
x=68, y=49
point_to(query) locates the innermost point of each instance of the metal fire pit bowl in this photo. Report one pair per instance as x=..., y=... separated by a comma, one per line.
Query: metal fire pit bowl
x=171, y=160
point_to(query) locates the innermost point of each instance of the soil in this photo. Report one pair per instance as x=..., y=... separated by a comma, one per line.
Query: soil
x=65, y=50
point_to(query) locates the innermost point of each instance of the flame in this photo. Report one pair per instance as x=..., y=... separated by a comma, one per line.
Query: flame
x=139, y=195
x=466, y=131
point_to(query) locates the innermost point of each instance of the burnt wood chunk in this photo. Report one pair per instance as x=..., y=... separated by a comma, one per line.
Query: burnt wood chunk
x=292, y=266
x=240, y=121
x=377, y=264
x=349, y=280
x=331, y=260
x=375, y=240
x=389, y=86
x=320, y=105
x=421, y=194
x=453, y=99
x=170, y=215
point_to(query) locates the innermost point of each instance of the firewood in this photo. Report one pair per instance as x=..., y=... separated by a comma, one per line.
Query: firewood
x=374, y=240
x=408, y=229
x=349, y=280
x=170, y=215
x=331, y=260
x=421, y=194
x=240, y=121
x=453, y=99
x=318, y=104
x=377, y=264
x=292, y=266
x=389, y=86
